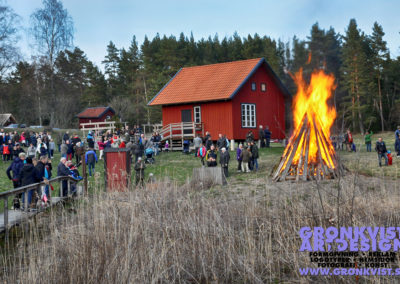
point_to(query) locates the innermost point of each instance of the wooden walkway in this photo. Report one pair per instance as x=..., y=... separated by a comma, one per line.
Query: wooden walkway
x=16, y=217
x=11, y=218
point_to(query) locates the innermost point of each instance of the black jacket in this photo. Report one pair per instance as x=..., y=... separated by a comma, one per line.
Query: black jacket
x=254, y=151
x=380, y=147
x=40, y=168
x=29, y=175
x=224, y=159
x=221, y=143
x=62, y=170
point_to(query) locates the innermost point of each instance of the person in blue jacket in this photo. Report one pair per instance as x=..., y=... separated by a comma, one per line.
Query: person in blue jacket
x=91, y=160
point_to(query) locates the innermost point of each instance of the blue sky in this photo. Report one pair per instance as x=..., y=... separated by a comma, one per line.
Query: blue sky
x=99, y=21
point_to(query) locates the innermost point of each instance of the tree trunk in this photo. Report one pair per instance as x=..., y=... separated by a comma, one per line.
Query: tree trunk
x=380, y=103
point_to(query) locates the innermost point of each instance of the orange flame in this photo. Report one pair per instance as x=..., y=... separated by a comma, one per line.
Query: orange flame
x=311, y=102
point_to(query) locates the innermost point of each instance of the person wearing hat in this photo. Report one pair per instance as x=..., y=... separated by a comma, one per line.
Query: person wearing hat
x=139, y=169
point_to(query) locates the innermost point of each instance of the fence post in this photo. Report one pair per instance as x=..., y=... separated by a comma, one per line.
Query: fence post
x=26, y=200
x=6, y=216
x=84, y=173
x=61, y=188
x=69, y=187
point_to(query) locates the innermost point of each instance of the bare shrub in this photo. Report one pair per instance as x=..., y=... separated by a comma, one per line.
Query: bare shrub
x=178, y=234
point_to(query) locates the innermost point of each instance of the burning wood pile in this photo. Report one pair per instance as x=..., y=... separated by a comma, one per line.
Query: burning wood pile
x=309, y=153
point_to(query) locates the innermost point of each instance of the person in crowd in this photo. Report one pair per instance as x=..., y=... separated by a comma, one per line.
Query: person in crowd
x=397, y=141
x=63, y=170
x=238, y=157
x=261, y=136
x=31, y=151
x=44, y=169
x=197, y=141
x=15, y=168
x=42, y=149
x=249, y=137
x=390, y=158
x=380, y=148
x=115, y=144
x=29, y=175
x=166, y=146
x=348, y=138
x=79, y=152
x=6, y=151
x=206, y=138
x=211, y=157
x=70, y=150
x=201, y=153
x=90, y=139
x=101, y=145
x=52, y=146
x=209, y=142
x=367, y=139
x=64, y=149
x=221, y=142
x=246, y=156
x=91, y=160
x=122, y=145
x=66, y=137
x=254, y=156
x=17, y=149
x=267, y=136
x=139, y=169
x=224, y=161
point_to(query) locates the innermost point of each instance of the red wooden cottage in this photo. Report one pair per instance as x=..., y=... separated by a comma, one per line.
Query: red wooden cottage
x=228, y=98
x=95, y=114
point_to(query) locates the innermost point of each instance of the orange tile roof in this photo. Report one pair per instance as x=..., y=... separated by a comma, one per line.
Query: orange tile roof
x=94, y=112
x=206, y=83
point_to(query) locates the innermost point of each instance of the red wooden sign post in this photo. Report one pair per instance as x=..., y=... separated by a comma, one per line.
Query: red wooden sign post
x=117, y=169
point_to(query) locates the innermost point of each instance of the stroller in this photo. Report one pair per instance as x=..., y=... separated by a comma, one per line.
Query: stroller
x=149, y=152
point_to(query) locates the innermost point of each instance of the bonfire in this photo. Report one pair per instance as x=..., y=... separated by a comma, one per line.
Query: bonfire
x=310, y=153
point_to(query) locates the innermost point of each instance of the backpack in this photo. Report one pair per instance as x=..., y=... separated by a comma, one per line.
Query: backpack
x=227, y=143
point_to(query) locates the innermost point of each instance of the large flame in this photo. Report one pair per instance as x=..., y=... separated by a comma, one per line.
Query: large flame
x=311, y=102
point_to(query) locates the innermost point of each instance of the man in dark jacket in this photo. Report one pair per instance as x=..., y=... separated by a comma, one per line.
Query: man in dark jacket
x=261, y=136
x=17, y=150
x=267, y=136
x=63, y=170
x=380, y=148
x=221, y=143
x=29, y=175
x=16, y=168
x=224, y=161
x=254, y=156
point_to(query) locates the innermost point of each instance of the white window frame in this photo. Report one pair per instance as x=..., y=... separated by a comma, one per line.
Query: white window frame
x=248, y=115
x=197, y=114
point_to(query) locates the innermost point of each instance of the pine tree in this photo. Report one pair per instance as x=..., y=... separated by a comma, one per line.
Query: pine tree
x=380, y=56
x=111, y=62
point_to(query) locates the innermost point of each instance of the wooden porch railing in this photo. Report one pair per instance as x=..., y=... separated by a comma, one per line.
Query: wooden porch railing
x=181, y=130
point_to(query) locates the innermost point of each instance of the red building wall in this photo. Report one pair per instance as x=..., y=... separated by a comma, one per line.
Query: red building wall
x=270, y=106
x=216, y=116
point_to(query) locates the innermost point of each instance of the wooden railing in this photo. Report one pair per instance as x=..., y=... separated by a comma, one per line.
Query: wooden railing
x=25, y=189
x=181, y=130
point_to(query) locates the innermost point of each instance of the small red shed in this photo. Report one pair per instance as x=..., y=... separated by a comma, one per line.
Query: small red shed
x=95, y=114
x=228, y=98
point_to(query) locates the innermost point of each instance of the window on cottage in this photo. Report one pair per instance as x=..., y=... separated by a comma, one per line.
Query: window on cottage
x=253, y=86
x=263, y=87
x=197, y=114
x=249, y=115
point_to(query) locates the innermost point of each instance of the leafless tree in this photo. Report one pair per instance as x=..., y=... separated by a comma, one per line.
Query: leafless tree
x=53, y=30
x=9, y=35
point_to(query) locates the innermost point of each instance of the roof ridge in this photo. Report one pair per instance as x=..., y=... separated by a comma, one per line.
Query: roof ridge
x=223, y=63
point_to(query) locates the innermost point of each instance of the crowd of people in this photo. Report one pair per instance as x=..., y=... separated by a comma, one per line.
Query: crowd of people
x=347, y=141
x=30, y=154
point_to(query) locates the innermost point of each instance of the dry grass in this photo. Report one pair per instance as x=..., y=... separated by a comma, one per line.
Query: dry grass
x=181, y=235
